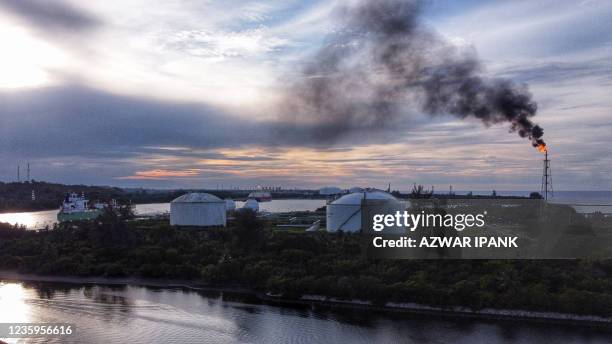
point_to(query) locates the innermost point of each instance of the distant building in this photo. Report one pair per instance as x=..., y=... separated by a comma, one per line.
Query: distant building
x=198, y=209
x=260, y=196
x=330, y=190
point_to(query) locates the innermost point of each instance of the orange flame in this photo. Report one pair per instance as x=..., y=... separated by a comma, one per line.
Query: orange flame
x=542, y=148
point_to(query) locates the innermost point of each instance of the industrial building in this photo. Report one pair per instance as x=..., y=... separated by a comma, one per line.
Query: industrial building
x=260, y=196
x=330, y=190
x=198, y=209
x=353, y=212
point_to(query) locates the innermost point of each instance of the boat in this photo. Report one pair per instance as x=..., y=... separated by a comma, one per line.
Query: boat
x=76, y=208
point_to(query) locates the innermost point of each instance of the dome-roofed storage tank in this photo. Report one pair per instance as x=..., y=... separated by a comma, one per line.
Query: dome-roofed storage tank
x=197, y=209
x=348, y=212
x=230, y=205
x=251, y=204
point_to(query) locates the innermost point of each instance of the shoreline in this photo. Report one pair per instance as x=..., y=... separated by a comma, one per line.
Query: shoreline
x=12, y=211
x=9, y=211
x=327, y=302
x=279, y=197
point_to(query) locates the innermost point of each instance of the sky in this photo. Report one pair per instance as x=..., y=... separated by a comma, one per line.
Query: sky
x=186, y=94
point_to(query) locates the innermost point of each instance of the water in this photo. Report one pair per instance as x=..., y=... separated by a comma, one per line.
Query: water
x=133, y=314
x=40, y=219
x=583, y=202
x=31, y=219
x=274, y=206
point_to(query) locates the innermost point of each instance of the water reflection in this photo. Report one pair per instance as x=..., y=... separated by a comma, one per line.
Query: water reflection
x=13, y=307
x=40, y=219
x=31, y=220
x=104, y=314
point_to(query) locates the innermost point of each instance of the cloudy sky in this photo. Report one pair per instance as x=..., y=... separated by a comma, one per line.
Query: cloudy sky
x=186, y=93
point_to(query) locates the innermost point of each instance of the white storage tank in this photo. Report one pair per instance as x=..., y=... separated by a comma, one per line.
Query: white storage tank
x=251, y=204
x=346, y=212
x=355, y=189
x=230, y=205
x=197, y=209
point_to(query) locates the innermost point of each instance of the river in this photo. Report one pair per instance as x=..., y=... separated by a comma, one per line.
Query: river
x=40, y=219
x=135, y=314
x=582, y=201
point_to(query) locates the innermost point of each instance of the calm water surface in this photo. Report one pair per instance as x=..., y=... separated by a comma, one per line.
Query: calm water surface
x=40, y=219
x=583, y=202
x=132, y=314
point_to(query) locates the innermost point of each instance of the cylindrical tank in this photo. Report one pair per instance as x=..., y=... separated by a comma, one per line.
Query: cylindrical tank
x=346, y=213
x=197, y=209
x=355, y=189
x=230, y=205
x=251, y=204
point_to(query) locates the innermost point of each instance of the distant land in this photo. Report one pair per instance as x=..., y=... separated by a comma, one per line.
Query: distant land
x=17, y=196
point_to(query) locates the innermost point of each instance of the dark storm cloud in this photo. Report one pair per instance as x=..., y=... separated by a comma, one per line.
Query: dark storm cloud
x=77, y=121
x=84, y=123
x=78, y=134
x=51, y=15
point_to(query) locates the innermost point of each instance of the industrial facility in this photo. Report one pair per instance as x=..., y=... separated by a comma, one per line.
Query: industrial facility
x=198, y=209
x=260, y=196
x=330, y=190
x=351, y=212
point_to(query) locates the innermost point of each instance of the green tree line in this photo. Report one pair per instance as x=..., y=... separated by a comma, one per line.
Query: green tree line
x=252, y=253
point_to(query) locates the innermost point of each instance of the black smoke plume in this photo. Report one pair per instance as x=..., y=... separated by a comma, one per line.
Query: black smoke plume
x=382, y=63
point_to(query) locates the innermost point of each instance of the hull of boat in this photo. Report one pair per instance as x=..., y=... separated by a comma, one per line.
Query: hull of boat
x=78, y=216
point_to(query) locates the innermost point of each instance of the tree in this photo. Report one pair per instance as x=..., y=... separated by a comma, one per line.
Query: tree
x=110, y=228
x=535, y=195
x=248, y=230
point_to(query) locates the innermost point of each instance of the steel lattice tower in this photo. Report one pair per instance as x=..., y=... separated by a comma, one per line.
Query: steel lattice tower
x=547, y=186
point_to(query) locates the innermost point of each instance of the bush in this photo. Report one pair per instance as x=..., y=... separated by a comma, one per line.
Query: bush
x=251, y=254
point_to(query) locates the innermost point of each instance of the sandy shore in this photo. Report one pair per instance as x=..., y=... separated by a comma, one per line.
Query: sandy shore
x=323, y=301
